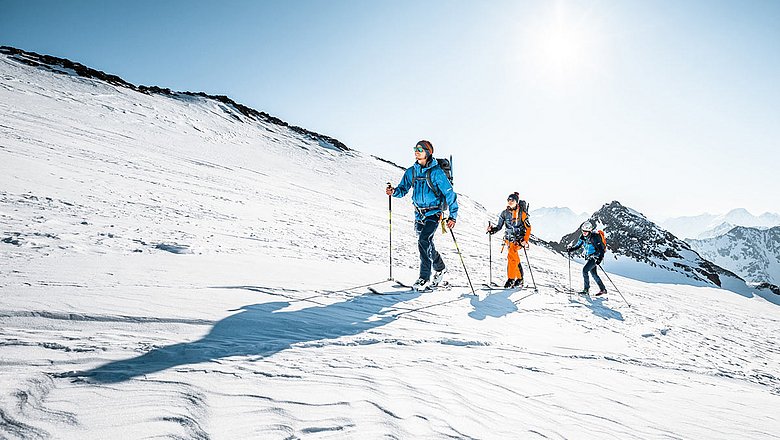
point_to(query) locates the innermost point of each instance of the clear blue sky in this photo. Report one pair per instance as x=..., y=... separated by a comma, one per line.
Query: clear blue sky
x=671, y=107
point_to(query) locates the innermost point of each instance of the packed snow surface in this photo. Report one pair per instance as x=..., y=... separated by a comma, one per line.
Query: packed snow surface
x=174, y=269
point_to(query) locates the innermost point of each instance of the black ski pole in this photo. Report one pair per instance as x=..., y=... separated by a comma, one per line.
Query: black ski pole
x=613, y=285
x=536, y=289
x=462, y=262
x=490, y=259
x=571, y=290
x=390, y=219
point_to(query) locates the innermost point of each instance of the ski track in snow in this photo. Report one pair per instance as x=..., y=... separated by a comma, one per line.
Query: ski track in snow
x=172, y=270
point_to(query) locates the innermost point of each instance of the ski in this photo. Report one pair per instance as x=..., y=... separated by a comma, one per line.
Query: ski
x=396, y=292
x=444, y=285
x=514, y=289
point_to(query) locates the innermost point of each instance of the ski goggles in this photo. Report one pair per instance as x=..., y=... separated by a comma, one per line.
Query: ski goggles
x=419, y=149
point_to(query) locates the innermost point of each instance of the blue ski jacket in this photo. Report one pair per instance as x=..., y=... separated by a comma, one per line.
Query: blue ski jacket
x=424, y=198
x=592, y=244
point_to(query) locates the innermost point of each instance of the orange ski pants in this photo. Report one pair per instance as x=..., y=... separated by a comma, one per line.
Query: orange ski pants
x=513, y=267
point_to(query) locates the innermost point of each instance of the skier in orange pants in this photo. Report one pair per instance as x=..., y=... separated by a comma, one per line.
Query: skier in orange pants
x=518, y=231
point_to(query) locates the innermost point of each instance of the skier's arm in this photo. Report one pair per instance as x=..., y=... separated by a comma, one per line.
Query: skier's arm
x=405, y=184
x=499, y=224
x=599, y=246
x=527, y=224
x=447, y=191
x=579, y=244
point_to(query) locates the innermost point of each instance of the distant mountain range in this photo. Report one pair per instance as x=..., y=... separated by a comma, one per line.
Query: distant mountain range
x=551, y=224
x=752, y=253
x=710, y=225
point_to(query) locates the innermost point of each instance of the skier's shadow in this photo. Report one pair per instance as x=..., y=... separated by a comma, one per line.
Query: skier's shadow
x=494, y=305
x=596, y=305
x=258, y=330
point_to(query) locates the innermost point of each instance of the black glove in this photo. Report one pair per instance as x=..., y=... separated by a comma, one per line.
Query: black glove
x=599, y=259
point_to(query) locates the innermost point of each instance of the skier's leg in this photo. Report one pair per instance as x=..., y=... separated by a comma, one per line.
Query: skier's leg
x=425, y=230
x=520, y=265
x=436, y=260
x=587, y=268
x=596, y=277
x=513, y=262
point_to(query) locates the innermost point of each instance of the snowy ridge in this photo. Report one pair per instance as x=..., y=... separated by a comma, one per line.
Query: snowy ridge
x=751, y=252
x=67, y=67
x=177, y=269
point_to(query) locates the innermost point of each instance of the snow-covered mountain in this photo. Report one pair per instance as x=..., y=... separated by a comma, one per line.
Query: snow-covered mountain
x=711, y=225
x=553, y=223
x=177, y=267
x=638, y=248
x=752, y=253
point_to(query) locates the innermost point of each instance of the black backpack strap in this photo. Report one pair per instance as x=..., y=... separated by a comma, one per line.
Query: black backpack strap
x=433, y=187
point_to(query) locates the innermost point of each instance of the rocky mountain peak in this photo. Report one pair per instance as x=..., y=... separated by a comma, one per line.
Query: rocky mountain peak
x=631, y=235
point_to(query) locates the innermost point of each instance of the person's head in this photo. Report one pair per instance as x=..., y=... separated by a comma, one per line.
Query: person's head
x=423, y=151
x=513, y=200
x=587, y=228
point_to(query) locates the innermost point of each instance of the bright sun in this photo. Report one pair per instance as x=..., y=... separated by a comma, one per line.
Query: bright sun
x=563, y=45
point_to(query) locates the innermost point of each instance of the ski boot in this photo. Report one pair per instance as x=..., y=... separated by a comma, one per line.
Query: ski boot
x=437, y=277
x=421, y=285
x=518, y=284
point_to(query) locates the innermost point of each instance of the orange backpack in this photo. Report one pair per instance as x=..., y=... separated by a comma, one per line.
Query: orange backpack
x=603, y=239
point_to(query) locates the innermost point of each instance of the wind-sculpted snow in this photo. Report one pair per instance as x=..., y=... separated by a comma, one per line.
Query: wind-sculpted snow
x=173, y=268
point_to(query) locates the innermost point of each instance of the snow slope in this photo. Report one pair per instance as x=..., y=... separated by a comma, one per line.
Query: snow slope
x=174, y=268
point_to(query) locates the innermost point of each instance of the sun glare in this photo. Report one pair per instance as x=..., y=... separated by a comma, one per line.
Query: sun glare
x=563, y=45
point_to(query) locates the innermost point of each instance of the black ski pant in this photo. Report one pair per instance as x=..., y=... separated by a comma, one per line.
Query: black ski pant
x=429, y=256
x=590, y=266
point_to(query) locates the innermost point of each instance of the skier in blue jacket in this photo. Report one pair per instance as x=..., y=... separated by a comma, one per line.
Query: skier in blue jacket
x=432, y=194
x=594, y=252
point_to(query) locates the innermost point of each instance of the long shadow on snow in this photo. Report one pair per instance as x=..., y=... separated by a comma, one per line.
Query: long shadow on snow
x=494, y=305
x=259, y=330
x=596, y=305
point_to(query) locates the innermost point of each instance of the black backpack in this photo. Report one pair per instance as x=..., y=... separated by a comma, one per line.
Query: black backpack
x=523, y=205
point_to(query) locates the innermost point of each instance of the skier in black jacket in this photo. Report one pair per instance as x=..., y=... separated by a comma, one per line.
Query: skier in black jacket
x=594, y=253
